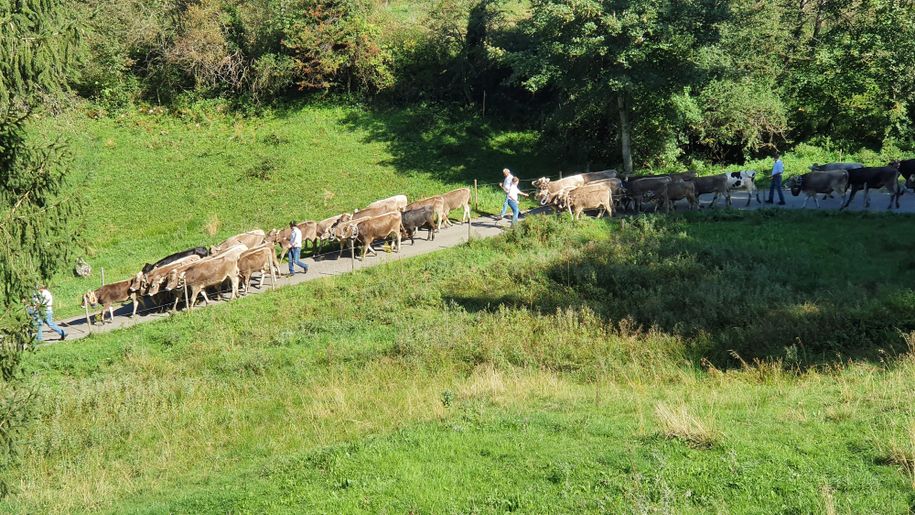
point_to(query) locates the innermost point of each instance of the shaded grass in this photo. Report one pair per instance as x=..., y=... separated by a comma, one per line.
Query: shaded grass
x=383, y=391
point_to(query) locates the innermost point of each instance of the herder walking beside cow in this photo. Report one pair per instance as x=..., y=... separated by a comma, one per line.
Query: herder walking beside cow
x=777, y=170
x=42, y=312
x=506, y=185
x=295, y=248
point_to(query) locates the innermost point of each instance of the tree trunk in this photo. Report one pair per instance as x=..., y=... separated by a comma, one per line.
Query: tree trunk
x=625, y=140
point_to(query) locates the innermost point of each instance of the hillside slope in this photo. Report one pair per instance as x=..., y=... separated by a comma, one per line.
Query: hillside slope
x=155, y=183
x=579, y=367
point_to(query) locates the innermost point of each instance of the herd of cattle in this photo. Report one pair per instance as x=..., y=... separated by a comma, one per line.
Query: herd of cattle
x=185, y=275
x=605, y=192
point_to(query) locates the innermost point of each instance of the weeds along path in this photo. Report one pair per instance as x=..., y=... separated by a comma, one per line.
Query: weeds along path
x=482, y=227
x=328, y=264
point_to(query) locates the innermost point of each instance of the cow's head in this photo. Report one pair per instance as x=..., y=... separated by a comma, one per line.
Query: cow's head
x=895, y=164
x=152, y=287
x=541, y=182
x=173, y=280
x=89, y=299
x=137, y=282
x=794, y=184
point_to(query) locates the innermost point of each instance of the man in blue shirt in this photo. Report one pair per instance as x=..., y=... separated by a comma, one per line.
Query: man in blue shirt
x=776, y=184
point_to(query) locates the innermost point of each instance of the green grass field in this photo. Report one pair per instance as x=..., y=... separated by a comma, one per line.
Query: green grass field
x=156, y=183
x=736, y=362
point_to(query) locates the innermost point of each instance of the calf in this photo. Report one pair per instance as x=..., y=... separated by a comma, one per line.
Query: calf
x=418, y=218
x=109, y=294
x=813, y=183
x=250, y=239
x=744, y=180
x=258, y=260
x=438, y=206
x=368, y=230
x=874, y=178
x=196, y=251
x=680, y=190
x=395, y=203
x=204, y=274
x=459, y=198
x=717, y=184
x=592, y=196
x=637, y=187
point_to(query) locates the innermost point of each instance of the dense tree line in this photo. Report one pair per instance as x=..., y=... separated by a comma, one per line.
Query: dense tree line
x=37, y=227
x=612, y=80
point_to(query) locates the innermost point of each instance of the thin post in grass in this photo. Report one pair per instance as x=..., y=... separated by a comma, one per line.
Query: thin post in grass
x=469, y=225
x=476, y=197
x=103, y=277
x=187, y=304
x=352, y=257
x=88, y=320
x=560, y=174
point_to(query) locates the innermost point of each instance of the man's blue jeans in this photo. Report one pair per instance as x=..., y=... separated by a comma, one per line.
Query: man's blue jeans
x=514, y=205
x=48, y=319
x=776, y=186
x=504, y=208
x=294, y=254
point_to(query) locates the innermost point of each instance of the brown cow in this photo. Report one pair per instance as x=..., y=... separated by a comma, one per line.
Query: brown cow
x=438, y=207
x=280, y=237
x=593, y=196
x=368, y=230
x=395, y=203
x=638, y=187
x=717, y=184
x=258, y=260
x=250, y=239
x=152, y=281
x=548, y=190
x=109, y=294
x=679, y=190
x=455, y=199
x=203, y=274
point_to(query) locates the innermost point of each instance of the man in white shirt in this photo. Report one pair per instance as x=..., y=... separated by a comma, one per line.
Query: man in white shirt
x=295, y=248
x=42, y=311
x=506, y=185
x=777, y=169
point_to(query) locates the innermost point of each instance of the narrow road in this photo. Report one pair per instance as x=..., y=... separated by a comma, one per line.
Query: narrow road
x=326, y=265
x=483, y=227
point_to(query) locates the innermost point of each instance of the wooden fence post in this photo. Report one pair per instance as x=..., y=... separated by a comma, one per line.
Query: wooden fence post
x=352, y=256
x=560, y=174
x=103, y=277
x=476, y=197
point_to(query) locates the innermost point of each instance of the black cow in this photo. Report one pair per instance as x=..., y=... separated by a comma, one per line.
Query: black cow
x=200, y=251
x=874, y=178
x=828, y=167
x=907, y=170
x=420, y=218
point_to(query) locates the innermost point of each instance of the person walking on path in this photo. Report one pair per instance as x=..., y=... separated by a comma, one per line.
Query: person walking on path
x=42, y=312
x=295, y=248
x=777, y=169
x=506, y=185
x=512, y=199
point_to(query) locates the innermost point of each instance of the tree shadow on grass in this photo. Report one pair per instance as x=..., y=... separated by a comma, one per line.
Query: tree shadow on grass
x=804, y=288
x=450, y=145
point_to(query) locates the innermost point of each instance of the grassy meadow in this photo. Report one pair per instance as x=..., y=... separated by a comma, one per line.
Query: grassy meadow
x=738, y=362
x=155, y=182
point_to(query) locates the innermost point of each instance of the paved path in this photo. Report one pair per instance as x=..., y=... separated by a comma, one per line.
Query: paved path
x=483, y=227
